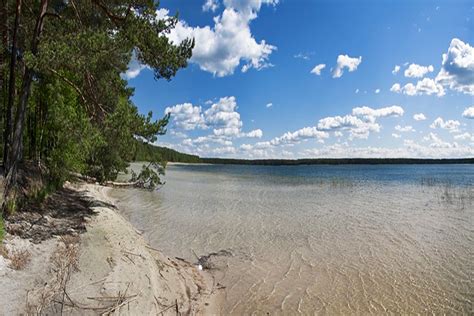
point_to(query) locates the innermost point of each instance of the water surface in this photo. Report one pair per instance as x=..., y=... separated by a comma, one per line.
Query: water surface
x=355, y=239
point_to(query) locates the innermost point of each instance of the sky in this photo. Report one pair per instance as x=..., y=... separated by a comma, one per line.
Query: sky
x=310, y=78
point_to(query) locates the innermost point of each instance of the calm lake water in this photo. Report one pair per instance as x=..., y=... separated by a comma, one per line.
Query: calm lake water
x=350, y=239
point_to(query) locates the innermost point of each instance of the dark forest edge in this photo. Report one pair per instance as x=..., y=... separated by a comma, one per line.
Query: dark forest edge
x=146, y=152
x=66, y=107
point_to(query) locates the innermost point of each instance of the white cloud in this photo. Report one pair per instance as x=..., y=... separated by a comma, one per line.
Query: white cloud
x=426, y=86
x=396, y=135
x=410, y=149
x=396, y=88
x=468, y=113
x=377, y=91
x=457, y=73
x=417, y=71
x=437, y=142
x=465, y=136
x=269, y=105
x=223, y=117
x=220, y=49
x=208, y=139
x=451, y=125
x=396, y=69
x=301, y=56
x=290, y=139
x=186, y=116
x=357, y=90
x=317, y=69
x=369, y=114
x=357, y=127
x=224, y=150
x=457, y=70
x=299, y=135
x=256, y=133
x=210, y=5
x=344, y=61
x=134, y=68
x=419, y=117
x=407, y=128
x=361, y=122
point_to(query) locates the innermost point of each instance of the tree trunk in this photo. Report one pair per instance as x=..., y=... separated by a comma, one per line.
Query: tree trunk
x=7, y=133
x=4, y=57
x=11, y=185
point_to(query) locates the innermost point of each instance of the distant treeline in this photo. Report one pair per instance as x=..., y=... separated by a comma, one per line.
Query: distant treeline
x=335, y=161
x=146, y=152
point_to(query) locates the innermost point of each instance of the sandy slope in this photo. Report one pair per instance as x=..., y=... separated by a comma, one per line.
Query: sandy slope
x=117, y=271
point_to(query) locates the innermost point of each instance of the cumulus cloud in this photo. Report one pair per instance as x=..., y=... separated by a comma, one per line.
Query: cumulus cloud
x=426, y=86
x=256, y=133
x=361, y=122
x=186, y=116
x=407, y=128
x=344, y=61
x=396, y=69
x=417, y=71
x=357, y=127
x=457, y=70
x=269, y=105
x=457, y=73
x=377, y=91
x=451, y=125
x=419, y=117
x=222, y=117
x=210, y=5
x=134, y=68
x=299, y=135
x=224, y=150
x=223, y=47
x=410, y=149
x=394, y=135
x=206, y=140
x=468, y=113
x=301, y=56
x=465, y=136
x=289, y=139
x=370, y=114
x=437, y=142
x=317, y=69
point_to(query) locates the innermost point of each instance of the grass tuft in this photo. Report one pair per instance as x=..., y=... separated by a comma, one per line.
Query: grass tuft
x=19, y=259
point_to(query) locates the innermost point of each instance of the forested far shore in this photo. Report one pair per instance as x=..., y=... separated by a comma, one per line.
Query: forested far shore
x=336, y=161
x=147, y=152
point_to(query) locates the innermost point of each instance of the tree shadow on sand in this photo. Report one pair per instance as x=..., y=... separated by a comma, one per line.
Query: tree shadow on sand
x=64, y=212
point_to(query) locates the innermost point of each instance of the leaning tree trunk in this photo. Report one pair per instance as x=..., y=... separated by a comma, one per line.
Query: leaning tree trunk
x=7, y=133
x=11, y=185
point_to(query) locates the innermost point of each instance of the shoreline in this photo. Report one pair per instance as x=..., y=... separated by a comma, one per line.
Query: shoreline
x=113, y=269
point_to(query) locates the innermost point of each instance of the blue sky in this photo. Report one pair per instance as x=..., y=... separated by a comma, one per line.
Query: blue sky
x=301, y=78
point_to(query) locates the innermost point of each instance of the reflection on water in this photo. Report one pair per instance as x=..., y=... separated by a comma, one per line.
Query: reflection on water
x=334, y=239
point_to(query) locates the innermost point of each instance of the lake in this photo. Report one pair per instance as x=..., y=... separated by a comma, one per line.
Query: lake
x=347, y=239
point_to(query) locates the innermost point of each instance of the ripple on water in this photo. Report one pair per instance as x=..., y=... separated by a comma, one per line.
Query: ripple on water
x=308, y=246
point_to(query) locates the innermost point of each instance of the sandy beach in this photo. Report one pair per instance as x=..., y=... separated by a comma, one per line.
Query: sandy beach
x=108, y=269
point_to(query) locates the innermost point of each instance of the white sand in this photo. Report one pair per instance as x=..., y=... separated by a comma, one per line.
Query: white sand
x=114, y=260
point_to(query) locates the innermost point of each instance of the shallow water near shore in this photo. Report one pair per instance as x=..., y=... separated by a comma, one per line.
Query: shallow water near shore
x=344, y=239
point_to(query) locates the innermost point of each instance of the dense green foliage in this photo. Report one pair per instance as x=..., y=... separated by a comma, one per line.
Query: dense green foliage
x=65, y=104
